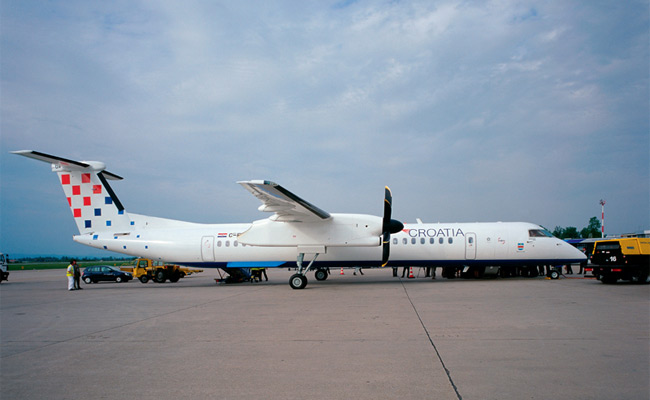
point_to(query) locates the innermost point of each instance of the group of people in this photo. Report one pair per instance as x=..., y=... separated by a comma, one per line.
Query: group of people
x=74, y=276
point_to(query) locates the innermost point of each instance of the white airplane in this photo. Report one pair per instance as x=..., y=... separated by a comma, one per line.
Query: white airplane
x=297, y=232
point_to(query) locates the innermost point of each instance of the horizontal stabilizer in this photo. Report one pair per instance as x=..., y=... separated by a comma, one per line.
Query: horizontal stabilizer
x=64, y=164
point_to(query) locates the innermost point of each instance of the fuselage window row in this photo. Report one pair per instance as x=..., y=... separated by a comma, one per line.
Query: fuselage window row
x=405, y=241
x=227, y=243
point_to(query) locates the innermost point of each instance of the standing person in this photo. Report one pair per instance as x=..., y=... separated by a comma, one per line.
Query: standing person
x=583, y=264
x=256, y=275
x=357, y=269
x=266, y=278
x=405, y=270
x=77, y=276
x=569, y=270
x=70, y=274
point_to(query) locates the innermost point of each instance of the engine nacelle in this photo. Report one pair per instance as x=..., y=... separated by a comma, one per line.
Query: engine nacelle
x=341, y=230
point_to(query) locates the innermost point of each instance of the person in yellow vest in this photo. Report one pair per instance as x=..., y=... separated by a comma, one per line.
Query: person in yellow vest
x=256, y=275
x=70, y=274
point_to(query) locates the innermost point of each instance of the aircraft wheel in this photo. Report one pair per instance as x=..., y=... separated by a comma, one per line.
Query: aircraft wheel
x=144, y=279
x=320, y=274
x=298, y=281
x=554, y=274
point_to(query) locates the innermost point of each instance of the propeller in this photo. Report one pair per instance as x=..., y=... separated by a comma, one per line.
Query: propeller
x=388, y=226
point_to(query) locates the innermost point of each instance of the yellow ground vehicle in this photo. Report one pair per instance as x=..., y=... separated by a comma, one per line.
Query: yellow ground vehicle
x=146, y=269
x=625, y=258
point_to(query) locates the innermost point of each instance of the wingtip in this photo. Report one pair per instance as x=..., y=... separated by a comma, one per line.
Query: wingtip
x=257, y=182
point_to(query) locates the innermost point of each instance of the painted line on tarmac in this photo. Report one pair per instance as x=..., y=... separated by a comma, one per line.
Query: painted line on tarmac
x=451, y=381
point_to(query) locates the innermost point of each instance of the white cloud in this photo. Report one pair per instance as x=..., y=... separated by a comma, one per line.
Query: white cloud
x=436, y=99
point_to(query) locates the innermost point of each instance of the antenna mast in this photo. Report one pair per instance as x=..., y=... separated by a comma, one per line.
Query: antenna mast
x=602, y=218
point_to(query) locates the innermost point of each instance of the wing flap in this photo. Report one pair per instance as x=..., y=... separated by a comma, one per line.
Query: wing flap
x=287, y=206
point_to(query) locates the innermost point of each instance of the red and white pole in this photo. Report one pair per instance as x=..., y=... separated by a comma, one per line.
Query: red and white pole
x=602, y=218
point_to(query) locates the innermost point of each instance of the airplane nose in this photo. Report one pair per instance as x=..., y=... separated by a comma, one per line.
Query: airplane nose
x=570, y=251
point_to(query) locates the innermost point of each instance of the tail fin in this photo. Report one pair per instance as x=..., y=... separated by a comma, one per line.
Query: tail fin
x=94, y=205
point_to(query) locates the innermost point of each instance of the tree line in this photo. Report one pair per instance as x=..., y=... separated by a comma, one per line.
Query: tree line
x=592, y=230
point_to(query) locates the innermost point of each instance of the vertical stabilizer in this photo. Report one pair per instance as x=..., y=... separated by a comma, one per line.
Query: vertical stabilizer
x=94, y=205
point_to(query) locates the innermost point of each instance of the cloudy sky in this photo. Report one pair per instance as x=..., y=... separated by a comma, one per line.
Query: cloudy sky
x=470, y=111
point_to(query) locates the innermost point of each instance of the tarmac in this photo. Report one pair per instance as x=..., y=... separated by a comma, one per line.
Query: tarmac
x=350, y=337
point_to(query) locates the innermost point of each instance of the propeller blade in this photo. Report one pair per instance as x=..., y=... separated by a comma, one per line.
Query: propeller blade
x=385, y=249
x=388, y=226
x=388, y=205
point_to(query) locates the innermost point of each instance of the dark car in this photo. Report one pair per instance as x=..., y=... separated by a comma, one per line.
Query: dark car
x=98, y=273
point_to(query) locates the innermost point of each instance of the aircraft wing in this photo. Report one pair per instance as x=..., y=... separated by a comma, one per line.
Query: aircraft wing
x=287, y=206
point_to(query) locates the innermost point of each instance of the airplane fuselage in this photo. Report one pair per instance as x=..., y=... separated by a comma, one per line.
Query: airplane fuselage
x=440, y=244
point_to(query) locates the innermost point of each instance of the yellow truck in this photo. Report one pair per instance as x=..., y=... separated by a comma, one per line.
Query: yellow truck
x=146, y=269
x=624, y=258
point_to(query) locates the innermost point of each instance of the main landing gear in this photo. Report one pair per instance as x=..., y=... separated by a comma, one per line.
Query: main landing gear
x=320, y=274
x=299, y=280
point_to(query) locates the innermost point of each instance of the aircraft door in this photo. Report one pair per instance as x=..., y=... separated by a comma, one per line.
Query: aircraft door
x=470, y=246
x=207, y=248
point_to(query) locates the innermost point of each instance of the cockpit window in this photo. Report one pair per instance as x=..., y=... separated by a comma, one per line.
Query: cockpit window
x=539, y=233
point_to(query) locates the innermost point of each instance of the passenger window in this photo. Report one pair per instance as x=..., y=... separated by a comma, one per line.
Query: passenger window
x=432, y=240
x=412, y=240
x=470, y=240
x=441, y=240
x=450, y=240
x=422, y=241
x=394, y=240
x=218, y=243
x=227, y=243
x=235, y=243
x=405, y=241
